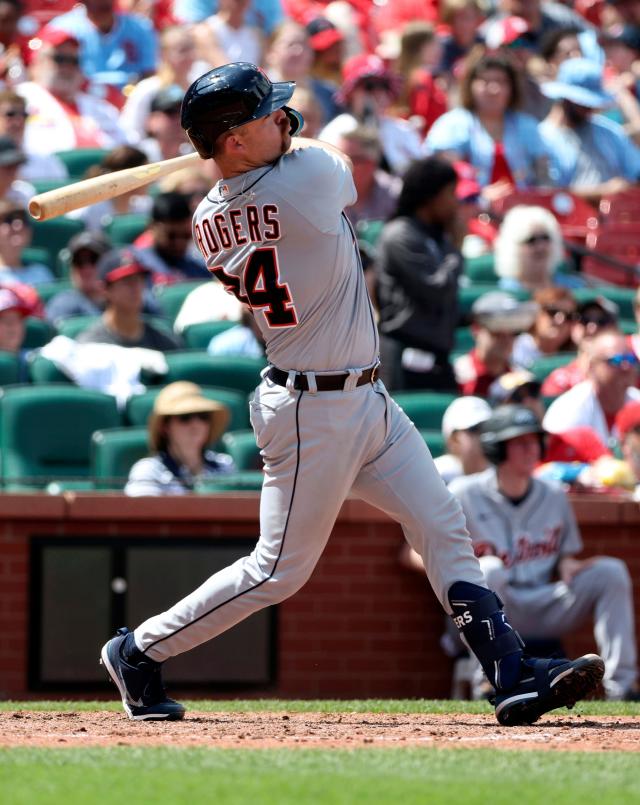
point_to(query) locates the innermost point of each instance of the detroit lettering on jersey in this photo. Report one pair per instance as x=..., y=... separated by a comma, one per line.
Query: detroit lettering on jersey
x=525, y=549
x=277, y=238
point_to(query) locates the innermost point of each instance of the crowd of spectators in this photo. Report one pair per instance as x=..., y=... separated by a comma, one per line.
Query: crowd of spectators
x=447, y=109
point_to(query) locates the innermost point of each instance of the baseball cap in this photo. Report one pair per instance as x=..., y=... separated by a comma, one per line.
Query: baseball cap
x=606, y=311
x=627, y=418
x=468, y=185
x=500, y=312
x=579, y=81
x=94, y=242
x=53, y=37
x=361, y=67
x=323, y=33
x=120, y=263
x=10, y=153
x=504, y=387
x=506, y=31
x=464, y=413
x=167, y=99
x=11, y=301
x=575, y=444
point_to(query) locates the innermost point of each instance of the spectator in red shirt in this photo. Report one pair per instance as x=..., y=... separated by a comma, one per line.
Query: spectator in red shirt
x=592, y=317
x=497, y=319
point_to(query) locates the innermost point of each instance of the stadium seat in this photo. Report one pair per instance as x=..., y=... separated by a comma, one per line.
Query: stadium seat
x=424, y=408
x=45, y=432
x=36, y=254
x=54, y=235
x=369, y=231
x=623, y=297
x=9, y=369
x=44, y=185
x=480, y=269
x=463, y=339
x=575, y=215
x=467, y=296
x=75, y=325
x=42, y=370
x=623, y=247
x=113, y=452
x=543, y=367
x=171, y=297
x=197, y=336
x=621, y=211
x=47, y=290
x=247, y=481
x=239, y=372
x=140, y=405
x=434, y=441
x=38, y=333
x=124, y=229
x=78, y=160
x=241, y=446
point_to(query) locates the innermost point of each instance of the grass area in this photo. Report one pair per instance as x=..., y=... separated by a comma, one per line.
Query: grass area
x=279, y=777
x=594, y=708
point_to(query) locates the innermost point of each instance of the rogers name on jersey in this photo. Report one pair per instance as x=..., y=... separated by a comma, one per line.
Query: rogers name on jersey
x=237, y=227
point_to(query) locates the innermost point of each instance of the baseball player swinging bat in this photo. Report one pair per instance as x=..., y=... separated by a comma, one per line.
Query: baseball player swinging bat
x=100, y=188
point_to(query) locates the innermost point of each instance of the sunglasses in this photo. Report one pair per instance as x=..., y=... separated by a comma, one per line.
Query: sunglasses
x=16, y=221
x=61, y=58
x=201, y=416
x=541, y=238
x=15, y=113
x=371, y=85
x=626, y=359
x=559, y=315
x=596, y=320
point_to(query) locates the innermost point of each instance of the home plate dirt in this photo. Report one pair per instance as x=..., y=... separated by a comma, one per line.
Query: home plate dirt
x=318, y=730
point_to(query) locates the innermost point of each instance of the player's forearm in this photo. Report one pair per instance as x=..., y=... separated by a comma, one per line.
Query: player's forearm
x=308, y=142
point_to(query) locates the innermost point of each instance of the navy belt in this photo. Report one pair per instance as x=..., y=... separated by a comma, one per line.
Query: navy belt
x=323, y=382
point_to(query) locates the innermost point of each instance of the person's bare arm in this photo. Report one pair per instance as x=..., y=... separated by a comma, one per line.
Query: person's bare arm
x=307, y=142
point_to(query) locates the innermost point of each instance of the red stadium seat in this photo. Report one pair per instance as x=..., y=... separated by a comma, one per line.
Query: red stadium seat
x=577, y=218
x=623, y=245
x=621, y=211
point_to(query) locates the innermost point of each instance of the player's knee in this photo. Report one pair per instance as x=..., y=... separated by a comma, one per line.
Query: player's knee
x=613, y=572
x=282, y=587
x=495, y=572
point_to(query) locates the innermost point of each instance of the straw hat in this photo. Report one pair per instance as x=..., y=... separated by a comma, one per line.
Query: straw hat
x=183, y=397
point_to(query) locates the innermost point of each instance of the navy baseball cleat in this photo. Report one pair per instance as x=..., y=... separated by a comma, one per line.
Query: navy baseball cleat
x=546, y=685
x=141, y=688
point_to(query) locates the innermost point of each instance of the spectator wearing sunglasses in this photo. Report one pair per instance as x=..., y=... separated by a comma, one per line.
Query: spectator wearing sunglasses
x=61, y=115
x=368, y=91
x=528, y=250
x=551, y=330
x=86, y=296
x=611, y=375
x=15, y=236
x=182, y=426
x=592, y=317
x=13, y=119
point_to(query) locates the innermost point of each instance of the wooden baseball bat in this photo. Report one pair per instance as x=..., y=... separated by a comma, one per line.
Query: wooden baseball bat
x=89, y=191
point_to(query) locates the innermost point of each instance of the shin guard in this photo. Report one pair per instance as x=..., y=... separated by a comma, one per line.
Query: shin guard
x=479, y=616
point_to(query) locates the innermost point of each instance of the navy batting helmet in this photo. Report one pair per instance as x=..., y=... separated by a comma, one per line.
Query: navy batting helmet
x=507, y=422
x=230, y=96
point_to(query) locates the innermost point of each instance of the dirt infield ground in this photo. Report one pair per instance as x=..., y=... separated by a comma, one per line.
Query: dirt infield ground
x=262, y=730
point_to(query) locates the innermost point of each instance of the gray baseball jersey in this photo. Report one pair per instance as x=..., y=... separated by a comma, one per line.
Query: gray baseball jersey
x=255, y=231
x=529, y=537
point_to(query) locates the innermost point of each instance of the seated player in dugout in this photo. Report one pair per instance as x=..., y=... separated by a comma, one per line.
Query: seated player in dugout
x=527, y=539
x=324, y=421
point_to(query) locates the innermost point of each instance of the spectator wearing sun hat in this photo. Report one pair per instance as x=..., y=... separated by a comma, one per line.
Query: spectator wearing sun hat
x=122, y=323
x=183, y=426
x=590, y=154
x=368, y=90
x=461, y=431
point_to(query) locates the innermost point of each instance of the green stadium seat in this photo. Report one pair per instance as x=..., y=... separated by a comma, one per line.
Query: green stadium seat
x=171, y=297
x=197, y=336
x=140, y=406
x=9, y=369
x=247, y=481
x=623, y=297
x=480, y=269
x=54, y=235
x=434, y=440
x=424, y=408
x=73, y=326
x=241, y=446
x=42, y=370
x=38, y=333
x=237, y=372
x=36, y=254
x=369, y=231
x=45, y=432
x=124, y=229
x=47, y=290
x=114, y=452
x=78, y=160
x=44, y=185
x=628, y=326
x=463, y=339
x=543, y=367
x=468, y=295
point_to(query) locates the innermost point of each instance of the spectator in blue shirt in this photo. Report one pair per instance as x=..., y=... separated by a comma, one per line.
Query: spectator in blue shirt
x=264, y=14
x=589, y=153
x=115, y=48
x=501, y=143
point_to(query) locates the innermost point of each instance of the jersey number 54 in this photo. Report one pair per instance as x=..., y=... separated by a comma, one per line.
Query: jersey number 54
x=263, y=288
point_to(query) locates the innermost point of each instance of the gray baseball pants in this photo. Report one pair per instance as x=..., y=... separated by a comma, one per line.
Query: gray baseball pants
x=602, y=591
x=316, y=449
